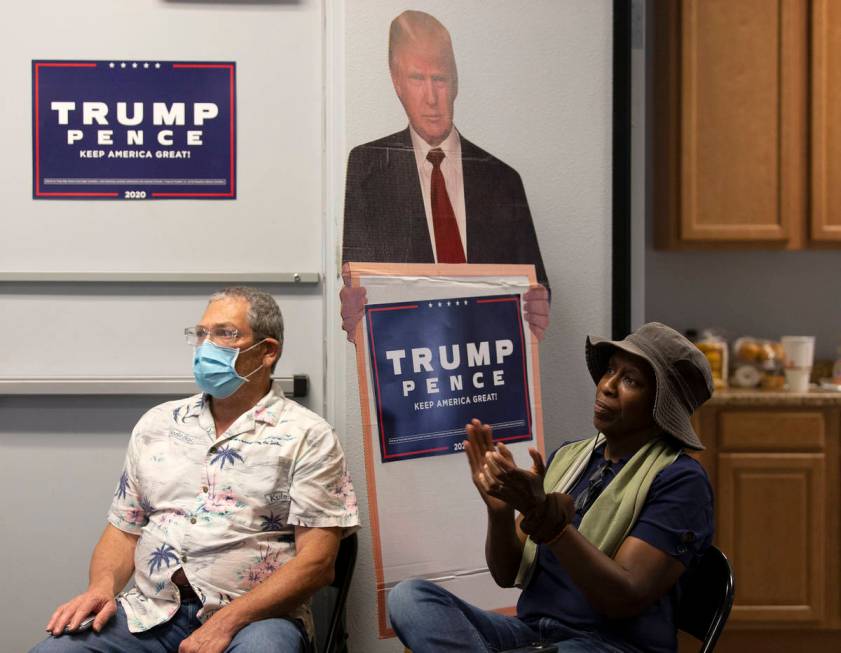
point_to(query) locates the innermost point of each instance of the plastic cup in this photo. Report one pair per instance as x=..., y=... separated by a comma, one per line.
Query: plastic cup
x=799, y=350
x=800, y=354
x=797, y=378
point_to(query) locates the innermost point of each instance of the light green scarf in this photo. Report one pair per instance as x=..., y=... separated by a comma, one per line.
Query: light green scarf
x=613, y=514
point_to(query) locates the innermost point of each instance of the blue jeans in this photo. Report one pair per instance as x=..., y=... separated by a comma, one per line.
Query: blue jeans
x=428, y=619
x=266, y=636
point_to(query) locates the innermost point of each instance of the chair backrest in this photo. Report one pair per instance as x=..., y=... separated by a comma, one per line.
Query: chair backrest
x=328, y=604
x=707, y=598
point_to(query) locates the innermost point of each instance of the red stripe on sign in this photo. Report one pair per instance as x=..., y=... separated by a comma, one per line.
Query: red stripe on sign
x=65, y=65
x=192, y=194
x=393, y=308
x=498, y=299
x=414, y=453
x=525, y=373
x=79, y=194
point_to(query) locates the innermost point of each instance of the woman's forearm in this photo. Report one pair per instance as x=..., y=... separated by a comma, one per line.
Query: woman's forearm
x=503, y=547
x=608, y=587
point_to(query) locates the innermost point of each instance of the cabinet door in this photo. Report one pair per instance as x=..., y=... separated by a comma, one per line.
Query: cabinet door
x=729, y=149
x=826, y=121
x=743, y=130
x=771, y=512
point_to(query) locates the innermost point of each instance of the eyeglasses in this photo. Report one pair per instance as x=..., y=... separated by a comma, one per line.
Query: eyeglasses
x=594, y=488
x=222, y=335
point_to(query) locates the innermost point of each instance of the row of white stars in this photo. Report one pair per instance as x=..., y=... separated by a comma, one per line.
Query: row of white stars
x=440, y=304
x=133, y=65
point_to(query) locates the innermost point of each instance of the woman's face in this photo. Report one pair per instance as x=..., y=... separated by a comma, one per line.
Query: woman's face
x=625, y=396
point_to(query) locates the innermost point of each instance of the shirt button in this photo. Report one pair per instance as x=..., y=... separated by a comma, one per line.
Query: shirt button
x=204, y=489
x=192, y=520
x=184, y=558
x=212, y=449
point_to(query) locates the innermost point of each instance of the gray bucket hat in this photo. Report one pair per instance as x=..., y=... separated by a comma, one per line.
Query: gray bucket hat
x=684, y=379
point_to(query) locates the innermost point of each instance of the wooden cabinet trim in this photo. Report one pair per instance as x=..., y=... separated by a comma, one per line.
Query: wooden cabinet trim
x=826, y=139
x=771, y=430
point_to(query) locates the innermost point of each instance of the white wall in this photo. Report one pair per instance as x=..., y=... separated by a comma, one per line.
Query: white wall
x=535, y=89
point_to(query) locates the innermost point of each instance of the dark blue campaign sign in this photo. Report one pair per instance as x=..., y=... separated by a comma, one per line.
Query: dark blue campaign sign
x=133, y=130
x=437, y=364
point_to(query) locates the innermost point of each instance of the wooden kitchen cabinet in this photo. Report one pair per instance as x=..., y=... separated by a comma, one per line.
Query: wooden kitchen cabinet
x=771, y=517
x=732, y=111
x=773, y=460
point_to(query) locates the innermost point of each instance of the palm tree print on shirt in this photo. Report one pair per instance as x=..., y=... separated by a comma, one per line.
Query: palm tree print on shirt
x=226, y=454
x=123, y=486
x=271, y=523
x=163, y=554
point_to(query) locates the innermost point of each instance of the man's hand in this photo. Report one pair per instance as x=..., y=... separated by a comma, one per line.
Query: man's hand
x=536, y=306
x=519, y=488
x=480, y=442
x=95, y=600
x=213, y=636
x=353, y=305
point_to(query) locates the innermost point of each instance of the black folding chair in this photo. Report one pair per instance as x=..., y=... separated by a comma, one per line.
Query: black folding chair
x=705, y=603
x=708, y=591
x=328, y=604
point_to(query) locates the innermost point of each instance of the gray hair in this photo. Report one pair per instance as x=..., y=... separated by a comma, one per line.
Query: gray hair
x=412, y=27
x=264, y=316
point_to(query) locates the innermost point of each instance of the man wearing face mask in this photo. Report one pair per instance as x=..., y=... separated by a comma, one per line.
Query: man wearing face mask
x=229, y=511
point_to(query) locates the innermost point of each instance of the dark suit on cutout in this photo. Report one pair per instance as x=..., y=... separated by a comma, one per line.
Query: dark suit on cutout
x=385, y=220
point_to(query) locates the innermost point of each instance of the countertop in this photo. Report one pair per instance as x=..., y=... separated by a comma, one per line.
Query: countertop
x=742, y=397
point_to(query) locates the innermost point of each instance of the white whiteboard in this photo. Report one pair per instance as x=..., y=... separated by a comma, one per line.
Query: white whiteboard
x=274, y=225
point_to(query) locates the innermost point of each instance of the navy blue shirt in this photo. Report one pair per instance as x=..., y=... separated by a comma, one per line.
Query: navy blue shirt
x=677, y=518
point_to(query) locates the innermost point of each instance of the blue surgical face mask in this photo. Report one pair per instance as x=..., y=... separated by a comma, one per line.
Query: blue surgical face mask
x=215, y=369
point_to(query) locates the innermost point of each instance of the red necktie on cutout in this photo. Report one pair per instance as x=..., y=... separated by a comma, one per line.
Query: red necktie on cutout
x=447, y=239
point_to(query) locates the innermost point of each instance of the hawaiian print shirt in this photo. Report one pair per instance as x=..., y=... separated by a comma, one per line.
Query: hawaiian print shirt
x=224, y=508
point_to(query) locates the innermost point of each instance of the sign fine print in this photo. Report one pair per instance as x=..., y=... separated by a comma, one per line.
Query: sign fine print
x=437, y=364
x=133, y=130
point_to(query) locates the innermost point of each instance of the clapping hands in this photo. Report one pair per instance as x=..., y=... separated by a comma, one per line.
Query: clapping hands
x=496, y=475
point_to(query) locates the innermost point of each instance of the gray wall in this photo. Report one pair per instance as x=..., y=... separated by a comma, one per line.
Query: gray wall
x=762, y=294
x=62, y=458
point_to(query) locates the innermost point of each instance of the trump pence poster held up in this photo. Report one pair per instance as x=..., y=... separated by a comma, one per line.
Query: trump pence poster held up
x=440, y=344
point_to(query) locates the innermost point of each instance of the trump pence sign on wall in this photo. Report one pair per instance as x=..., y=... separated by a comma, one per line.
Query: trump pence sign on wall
x=133, y=130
